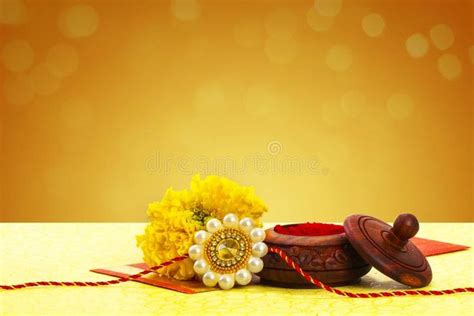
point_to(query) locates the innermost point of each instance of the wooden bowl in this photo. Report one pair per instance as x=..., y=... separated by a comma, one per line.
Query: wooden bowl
x=330, y=259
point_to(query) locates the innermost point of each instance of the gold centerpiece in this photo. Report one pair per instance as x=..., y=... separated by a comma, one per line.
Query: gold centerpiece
x=228, y=250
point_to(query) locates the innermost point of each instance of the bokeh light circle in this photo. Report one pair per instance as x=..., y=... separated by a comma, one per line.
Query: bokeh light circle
x=442, y=36
x=417, y=45
x=328, y=7
x=373, y=24
x=185, y=10
x=78, y=21
x=449, y=66
x=317, y=22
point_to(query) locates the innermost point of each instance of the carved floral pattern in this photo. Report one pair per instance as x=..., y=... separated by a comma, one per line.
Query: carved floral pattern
x=317, y=259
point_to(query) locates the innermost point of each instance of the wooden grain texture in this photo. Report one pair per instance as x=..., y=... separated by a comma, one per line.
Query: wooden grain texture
x=389, y=249
x=331, y=259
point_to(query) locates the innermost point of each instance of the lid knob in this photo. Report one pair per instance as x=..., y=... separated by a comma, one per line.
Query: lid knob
x=388, y=248
x=405, y=227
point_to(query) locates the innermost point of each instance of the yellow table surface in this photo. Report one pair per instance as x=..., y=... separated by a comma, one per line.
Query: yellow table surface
x=66, y=251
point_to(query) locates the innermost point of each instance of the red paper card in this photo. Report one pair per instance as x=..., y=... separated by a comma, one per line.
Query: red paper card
x=427, y=246
x=188, y=287
x=431, y=247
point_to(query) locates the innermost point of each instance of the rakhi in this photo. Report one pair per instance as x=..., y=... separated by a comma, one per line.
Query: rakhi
x=223, y=251
x=228, y=252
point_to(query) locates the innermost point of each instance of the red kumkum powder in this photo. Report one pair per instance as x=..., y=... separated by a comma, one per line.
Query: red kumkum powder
x=309, y=229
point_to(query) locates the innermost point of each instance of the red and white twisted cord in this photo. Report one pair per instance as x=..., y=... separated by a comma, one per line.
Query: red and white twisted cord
x=98, y=283
x=275, y=250
x=328, y=288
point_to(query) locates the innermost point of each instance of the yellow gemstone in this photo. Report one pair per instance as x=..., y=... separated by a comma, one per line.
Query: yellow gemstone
x=228, y=249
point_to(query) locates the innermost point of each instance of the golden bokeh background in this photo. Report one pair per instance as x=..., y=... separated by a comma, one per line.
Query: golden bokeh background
x=327, y=107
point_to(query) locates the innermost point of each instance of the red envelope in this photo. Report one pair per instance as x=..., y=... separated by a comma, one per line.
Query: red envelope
x=432, y=247
x=188, y=287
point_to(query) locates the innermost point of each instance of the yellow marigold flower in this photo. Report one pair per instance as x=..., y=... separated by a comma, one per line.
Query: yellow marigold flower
x=175, y=219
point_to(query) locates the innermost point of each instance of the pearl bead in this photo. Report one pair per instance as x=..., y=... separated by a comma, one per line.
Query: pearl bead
x=257, y=234
x=231, y=220
x=200, y=237
x=210, y=279
x=201, y=266
x=213, y=225
x=246, y=224
x=255, y=265
x=259, y=249
x=226, y=281
x=195, y=252
x=243, y=277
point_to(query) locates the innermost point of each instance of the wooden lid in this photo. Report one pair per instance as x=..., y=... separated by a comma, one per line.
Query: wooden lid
x=388, y=248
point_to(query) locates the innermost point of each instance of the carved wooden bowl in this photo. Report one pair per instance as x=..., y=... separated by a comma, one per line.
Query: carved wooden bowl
x=331, y=259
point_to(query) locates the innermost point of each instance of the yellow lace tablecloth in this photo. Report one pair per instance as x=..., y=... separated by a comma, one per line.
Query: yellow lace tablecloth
x=65, y=252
